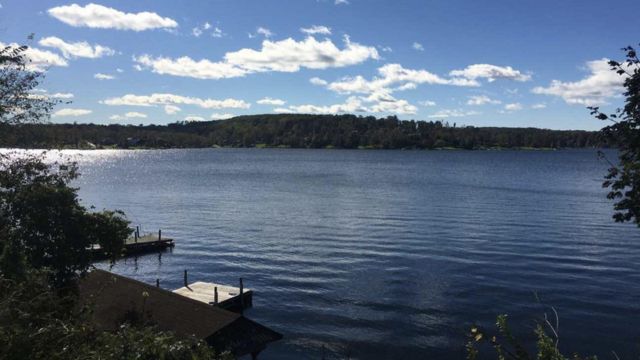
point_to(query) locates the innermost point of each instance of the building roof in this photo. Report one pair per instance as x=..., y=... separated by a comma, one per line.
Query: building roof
x=116, y=297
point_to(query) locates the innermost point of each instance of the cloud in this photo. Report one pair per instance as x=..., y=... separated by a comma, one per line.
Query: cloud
x=78, y=49
x=282, y=56
x=342, y=2
x=201, y=29
x=101, y=76
x=513, y=107
x=171, y=99
x=102, y=17
x=490, y=72
x=129, y=115
x=193, y=118
x=481, y=100
x=44, y=94
x=318, y=81
x=316, y=29
x=264, y=32
x=391, y=75
x=385, y=48
x=39, y=60
x=71, y=112
x=447, y=113
x=270, y=101
x=217, y=116
x=427, y=103
x=171, y=109
x=374, y=103
x=539, y=106
x=417, y=46
x=600, y=85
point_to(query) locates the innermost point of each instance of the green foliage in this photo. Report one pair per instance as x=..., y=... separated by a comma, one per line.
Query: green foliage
x=507, y=346
x=17, y=102
x=44, y=217
x=294, y=131
x=38, y=321
x=623, y=179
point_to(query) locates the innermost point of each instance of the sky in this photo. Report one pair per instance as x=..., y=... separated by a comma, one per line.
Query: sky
x=515, y=63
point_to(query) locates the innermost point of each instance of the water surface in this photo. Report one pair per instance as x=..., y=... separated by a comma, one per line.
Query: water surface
x=386, y=254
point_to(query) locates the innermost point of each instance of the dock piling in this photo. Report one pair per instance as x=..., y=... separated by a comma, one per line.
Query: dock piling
x=159, y=234
x=215, y=295
x=157, y=283
x=186, y=281
x=241, y=296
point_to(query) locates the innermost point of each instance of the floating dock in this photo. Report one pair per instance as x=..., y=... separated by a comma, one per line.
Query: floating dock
x=137, y=245
x=224, y=296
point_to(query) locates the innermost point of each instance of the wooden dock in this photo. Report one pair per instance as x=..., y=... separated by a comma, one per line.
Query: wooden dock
x=227, y=297
x=138, y=245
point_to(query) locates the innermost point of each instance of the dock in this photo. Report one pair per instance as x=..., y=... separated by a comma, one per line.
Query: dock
x=137, y=245
x=227, y=297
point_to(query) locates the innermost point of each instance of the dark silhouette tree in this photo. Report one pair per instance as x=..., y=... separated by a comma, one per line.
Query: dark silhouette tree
x=623, y=177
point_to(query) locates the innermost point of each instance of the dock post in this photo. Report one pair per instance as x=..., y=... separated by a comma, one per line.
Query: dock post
x=159, y=234
x=157, y=283
x=241, y=296
x=215, y=295
x=186, y=283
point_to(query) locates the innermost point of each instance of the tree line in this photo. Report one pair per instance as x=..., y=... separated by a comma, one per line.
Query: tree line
x=294, y=131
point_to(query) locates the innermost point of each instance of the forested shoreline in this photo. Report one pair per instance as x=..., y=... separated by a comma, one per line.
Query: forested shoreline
x=295, y=131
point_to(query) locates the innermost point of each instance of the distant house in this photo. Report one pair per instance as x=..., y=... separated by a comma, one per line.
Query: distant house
x=115, y=297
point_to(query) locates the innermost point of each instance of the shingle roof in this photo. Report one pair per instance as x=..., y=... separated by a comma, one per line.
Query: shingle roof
x=113, y=297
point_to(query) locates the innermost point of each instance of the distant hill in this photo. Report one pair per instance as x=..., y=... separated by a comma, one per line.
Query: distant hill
x=294, y=131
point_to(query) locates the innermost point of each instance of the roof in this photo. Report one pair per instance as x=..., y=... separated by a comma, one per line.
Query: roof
x=113, y=297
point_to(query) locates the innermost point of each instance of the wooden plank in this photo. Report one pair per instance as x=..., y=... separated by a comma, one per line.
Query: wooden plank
x=228, y=296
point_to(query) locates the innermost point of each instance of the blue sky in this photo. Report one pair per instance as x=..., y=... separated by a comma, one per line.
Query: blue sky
x=483, y=63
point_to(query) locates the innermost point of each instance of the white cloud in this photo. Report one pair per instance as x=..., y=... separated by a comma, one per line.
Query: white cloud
x=446, y=113
x=119, y=70
x=427, y=103
x=318, y=81
x=101, y=76
x=417, y=46
x=71, y=112
x=39, y=60
x=218, y=116
x=78, y=49
x=129, y=115
x=513, y=107
x=171, y=109
x=61, y=96
x=171, y=99
x=600, y=85
x=374, y=103
x=102, y=17
x=481, y=100
x=201, y=29
x=264, y=32
x=270, y=101
x=386, y=49
x=342, y=2
x=316, y=29
x=539, y=106
x=217, y=32
x=193, y=118
x=393, y=75
x=490, y=72
x=283, y=56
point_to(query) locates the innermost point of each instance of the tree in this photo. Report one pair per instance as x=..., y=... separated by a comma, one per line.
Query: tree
x=18, y=103
x=623, y=179
x=45, y=221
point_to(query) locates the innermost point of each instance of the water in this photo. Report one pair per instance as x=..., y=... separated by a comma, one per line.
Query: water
x=386, y=254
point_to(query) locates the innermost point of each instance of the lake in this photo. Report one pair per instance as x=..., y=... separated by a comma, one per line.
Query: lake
x=386, y=254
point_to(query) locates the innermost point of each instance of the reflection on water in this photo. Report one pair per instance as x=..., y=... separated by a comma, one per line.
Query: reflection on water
x=385, y=254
